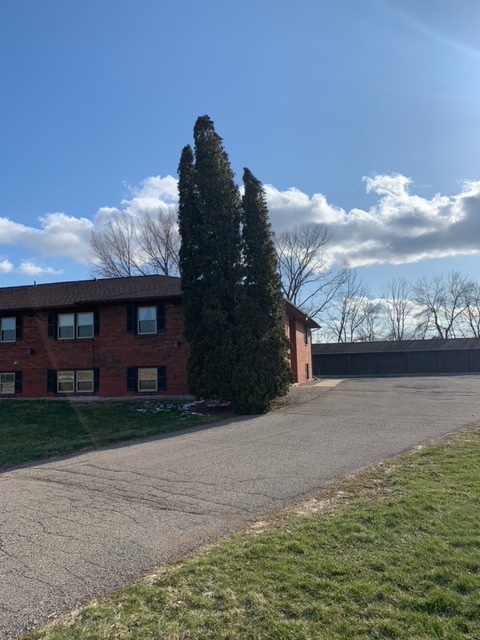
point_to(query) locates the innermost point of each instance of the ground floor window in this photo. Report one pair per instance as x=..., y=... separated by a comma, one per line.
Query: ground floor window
x=307, y=371
x=7, y=383
x=84, y=381
x=65, y=381
x=73, y=381
x=146, y=379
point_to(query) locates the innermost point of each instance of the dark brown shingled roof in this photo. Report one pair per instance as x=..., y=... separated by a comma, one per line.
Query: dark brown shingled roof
x=64, y=294
x=435, y=344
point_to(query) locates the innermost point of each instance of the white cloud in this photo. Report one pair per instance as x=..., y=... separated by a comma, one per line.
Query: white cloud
x=58, y=235
x=163, y=189
x=400, y=227
x=29, y=268
x=152, y=194
x=6, y=266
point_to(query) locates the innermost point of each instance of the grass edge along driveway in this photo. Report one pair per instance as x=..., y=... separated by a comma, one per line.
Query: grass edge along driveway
x=33, y=430
x=391, y=552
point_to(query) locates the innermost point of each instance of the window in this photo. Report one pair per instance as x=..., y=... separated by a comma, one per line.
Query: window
x=85, y=325
x=66, y=323
x=11, y=383
x=84, y=382
x=305, y=333
x=79, y=381
x=67, y=326
x=146, y=379
x=307, y=371
x=147, y=320
x=65, y=381
x=8, y=329
x=7, y=383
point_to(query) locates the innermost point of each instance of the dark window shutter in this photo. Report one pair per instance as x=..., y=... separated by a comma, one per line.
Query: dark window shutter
x=18, y=328
x=161, y=317
x=51, y=381
x=52, y=325
x=18, y=381
x=96, y=380
x=96, y=322
x=131, y=319
x=161, y=378
x=131, y=379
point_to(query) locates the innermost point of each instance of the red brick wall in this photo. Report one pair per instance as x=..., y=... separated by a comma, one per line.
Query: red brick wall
x=112, y=351
x=300, y=353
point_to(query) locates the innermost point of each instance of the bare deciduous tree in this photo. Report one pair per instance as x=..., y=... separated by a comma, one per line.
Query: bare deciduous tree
x=442, y=301
x=471, y=312
x=307, y=280
x=130, y=245
x=354, y=316
x=398, y=308
x=113, y=247
x=160, y=242
x=372, y=326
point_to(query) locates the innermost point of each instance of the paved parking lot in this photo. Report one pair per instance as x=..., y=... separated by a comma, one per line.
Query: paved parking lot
x=74, y=528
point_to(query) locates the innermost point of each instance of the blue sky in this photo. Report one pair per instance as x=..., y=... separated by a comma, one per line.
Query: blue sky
x=359, y=114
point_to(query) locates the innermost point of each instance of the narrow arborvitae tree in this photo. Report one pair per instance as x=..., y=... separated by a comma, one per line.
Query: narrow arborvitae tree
x=210, y=261
x=262, y=371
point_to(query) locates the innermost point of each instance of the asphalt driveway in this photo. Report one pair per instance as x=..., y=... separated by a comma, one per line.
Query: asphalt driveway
x=75, y=528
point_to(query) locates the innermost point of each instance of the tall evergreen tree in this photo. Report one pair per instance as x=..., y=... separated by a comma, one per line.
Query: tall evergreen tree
x=262, y=372
x=210, y=261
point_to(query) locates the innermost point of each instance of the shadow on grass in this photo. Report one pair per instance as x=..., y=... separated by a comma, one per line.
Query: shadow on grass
x=37, y=432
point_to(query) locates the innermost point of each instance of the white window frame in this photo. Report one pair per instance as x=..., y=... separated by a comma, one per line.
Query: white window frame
x=87, y=324
x=70, y=373
x=81, y=373
x=74, y=376
x=140, y=320
x=141, y=370
x=72, y=325
x=3, y=330
x=2, y=383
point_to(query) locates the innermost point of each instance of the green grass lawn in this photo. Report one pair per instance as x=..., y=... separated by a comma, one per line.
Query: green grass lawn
x=393, y=552
x=33, y=430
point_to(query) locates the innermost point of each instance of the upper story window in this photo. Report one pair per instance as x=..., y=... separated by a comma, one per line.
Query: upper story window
x=146, y=318
x=67, y=326
x=85, y=322
x=8, y=329
x=305, y=333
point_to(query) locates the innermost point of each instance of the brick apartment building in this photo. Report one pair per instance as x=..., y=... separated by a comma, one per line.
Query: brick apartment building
x=109, y=338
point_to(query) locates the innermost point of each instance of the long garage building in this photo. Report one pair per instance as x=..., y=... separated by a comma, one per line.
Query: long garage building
x=461, y=355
